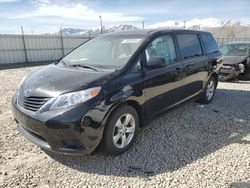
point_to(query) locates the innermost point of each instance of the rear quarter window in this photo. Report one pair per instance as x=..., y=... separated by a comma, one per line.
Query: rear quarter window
x=189, y=45
x=209, y=43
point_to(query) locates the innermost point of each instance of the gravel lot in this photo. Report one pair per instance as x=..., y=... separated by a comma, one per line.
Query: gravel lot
x=191, y=146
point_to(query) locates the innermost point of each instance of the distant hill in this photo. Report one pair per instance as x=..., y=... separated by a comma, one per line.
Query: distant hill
x=97, y=31
x=198, y=23
x=220, y=29
x=122, y=28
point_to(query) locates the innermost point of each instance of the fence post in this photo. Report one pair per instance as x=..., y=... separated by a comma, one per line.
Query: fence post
x=62, y=42
x=24, y=46
x=89, y=34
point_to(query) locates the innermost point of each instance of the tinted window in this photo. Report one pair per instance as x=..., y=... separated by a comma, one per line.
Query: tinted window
x=189, y=45
x=163, y=47
x=209, y=43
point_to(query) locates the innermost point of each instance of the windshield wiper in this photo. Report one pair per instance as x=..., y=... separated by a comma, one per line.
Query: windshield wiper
x=63, y=62
x=85, y=66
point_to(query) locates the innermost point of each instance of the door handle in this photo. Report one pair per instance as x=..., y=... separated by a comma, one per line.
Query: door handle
x=187, y=67
x=178, y=70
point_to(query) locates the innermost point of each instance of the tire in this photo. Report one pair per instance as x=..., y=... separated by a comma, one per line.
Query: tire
x=121, y=130
x=245, y=75
x=208, y=94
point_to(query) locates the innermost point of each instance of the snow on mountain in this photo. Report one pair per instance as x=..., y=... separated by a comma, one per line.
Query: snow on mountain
x=207, y=23
x=73, y=31
x=166, y=24
x=122, y=28
x=96, y=31
x=196, y=23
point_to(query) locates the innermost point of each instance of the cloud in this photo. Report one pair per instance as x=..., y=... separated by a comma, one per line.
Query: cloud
x=77, y=12
x=7, y=1
x=41, y=1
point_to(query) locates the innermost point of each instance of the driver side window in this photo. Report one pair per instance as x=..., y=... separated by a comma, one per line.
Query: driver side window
x=162, y=47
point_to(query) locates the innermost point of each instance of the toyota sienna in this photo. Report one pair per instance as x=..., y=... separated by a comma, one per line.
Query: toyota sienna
x=102, y=92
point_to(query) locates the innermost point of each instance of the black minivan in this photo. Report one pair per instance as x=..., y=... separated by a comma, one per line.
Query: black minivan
x=106, y=89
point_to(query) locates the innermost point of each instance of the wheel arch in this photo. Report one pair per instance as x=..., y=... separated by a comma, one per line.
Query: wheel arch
x=133, y=104
x=138, y=109
x=216, y=77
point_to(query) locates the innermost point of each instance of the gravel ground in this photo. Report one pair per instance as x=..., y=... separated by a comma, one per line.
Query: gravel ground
x=191, y=146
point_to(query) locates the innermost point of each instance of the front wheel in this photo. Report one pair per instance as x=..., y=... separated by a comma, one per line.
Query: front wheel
x=121, y=130
x=209, y=92
x=245, y=75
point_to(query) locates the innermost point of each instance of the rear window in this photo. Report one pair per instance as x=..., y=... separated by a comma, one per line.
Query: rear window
x=189, y=45
x=209, y=43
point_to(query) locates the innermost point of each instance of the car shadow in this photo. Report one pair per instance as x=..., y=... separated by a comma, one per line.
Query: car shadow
x=24, y=65
x=237, y=81
x=176, y=139
x=239, y=185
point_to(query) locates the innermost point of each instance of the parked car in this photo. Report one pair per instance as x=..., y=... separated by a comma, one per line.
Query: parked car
x=236, y=61
x=106, y=89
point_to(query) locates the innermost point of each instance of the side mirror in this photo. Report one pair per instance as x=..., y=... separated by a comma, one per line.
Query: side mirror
x=156, y=62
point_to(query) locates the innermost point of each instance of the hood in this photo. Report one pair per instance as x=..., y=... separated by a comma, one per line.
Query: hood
x=231, y=60
x=54, y=80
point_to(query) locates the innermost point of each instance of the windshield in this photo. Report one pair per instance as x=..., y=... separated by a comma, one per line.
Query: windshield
x=104, y=52
x=235, y=49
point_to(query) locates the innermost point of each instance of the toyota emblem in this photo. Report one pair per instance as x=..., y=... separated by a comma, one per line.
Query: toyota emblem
x=27, y=90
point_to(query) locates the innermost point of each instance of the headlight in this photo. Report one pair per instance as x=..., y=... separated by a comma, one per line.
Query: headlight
x=69, y=99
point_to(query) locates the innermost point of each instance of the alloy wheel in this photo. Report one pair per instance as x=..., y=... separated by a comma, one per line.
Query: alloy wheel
x=124, y=131
x=210, y=90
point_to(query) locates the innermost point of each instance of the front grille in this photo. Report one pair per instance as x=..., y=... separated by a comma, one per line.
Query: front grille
x=226, y=69
x=31, y=103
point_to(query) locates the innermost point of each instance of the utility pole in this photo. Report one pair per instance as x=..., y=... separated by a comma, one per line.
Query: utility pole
x=61, y=37
x=185, y=24
x=142, y=24
x=101, y=24
x=24, y=45
x=89, y=34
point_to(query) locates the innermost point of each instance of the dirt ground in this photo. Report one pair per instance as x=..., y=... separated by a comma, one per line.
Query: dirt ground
x=192, y=146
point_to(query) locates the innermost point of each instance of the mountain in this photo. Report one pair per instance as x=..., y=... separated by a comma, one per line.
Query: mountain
x=96, y=31
x=122, y=28
x=220, y=29
x=197, y=23
x=73, y=31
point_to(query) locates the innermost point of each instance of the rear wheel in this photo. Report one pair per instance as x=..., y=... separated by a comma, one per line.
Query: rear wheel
x=121, y=130
x=209, y=92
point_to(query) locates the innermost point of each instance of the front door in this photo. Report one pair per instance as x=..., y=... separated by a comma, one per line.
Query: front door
x=162, y=85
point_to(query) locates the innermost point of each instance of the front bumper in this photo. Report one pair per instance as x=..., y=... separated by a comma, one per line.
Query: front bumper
x=228, y=72
x=61, y=131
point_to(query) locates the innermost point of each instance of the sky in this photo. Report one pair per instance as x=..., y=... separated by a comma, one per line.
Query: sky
x=47, y=16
